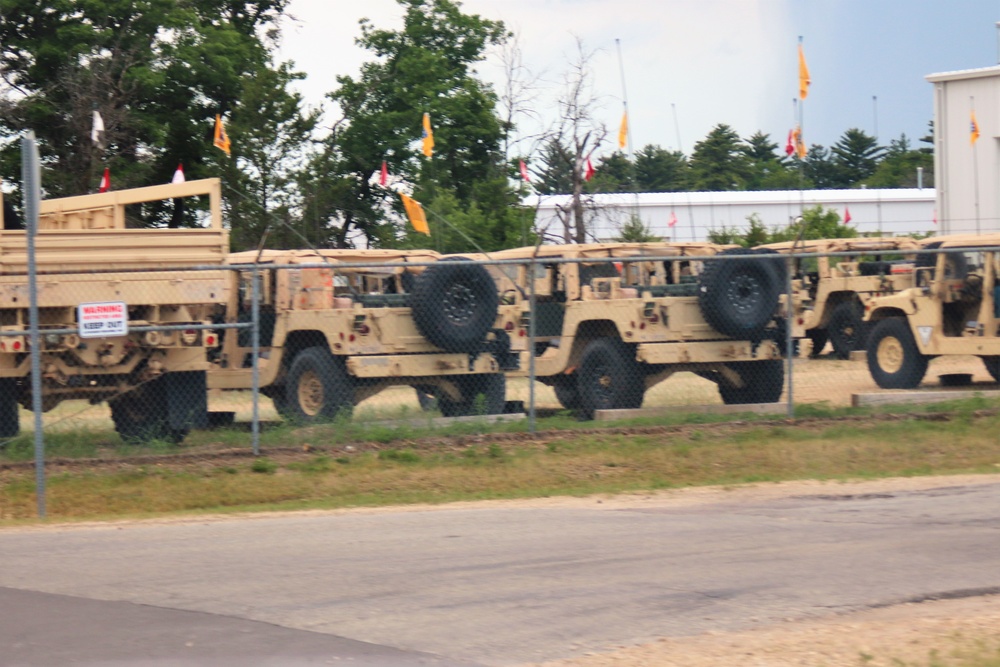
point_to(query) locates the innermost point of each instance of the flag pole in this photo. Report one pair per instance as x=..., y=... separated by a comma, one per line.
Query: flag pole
x=974, y=133
x=628, y=132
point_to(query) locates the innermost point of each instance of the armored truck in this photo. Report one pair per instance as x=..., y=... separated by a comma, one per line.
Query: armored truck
x=339, y=326
x=953, y=308
x=123, y=317
x=612, y=320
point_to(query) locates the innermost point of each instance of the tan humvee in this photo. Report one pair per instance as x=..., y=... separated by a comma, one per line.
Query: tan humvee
x=836, y=288
x=89, y=285
x=952, y=309
x=618, y=318
x=338, y=326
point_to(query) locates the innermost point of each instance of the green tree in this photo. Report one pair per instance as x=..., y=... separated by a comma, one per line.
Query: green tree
x=767, y=169
x=557, y=171
x=899, y=167
x=814, y=223
x=612, y=174
x=819, y=170
x=425, y=67
x=158, y=72
x=856, y=155
x=660, y=170
x=719, y=162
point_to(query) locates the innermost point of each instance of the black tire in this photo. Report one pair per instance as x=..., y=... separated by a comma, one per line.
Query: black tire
x=567, y=392
x=609, y=378
x=455, y=305
x=894, y=360
x=142, y=415
x=491, y=387
x=846, y=329
x=763, y=382
x=739, y=297
x=10, y=424
x=993, y=366
x=425, y=399
x=819, y=338
x=317, y=388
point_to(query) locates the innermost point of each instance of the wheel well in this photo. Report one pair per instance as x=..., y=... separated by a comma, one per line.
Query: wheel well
x=886, y=313
x=834, y=299
x=587, y=332
x=300, y=340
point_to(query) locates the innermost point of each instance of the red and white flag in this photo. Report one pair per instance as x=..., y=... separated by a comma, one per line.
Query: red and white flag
x=790, y=146
x=383, y=178
x=179, y=174
x=673, y=219
x=105, y=181
x=934, y=219
x=589, y=173
x=847, y=215
x=524, y=172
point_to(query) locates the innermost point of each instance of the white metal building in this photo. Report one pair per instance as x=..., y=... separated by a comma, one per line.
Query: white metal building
x=966, y=171
x=893, y=212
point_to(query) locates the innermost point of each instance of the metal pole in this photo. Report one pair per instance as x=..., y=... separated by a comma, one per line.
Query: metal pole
x=31, y=179
x=789, y=338
x=255, y=373
x=531, y=346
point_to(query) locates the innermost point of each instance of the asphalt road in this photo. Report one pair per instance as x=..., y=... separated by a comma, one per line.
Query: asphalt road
x=487, y=585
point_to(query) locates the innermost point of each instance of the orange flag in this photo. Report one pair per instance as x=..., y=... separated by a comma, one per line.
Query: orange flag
x=221, y=138
x=804, y=79
x=623, y=131
x=428, y=136
x=415, y=212
x=973, y=128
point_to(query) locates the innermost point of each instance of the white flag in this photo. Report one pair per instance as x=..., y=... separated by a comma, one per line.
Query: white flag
x=97, y=130
x=179, y=174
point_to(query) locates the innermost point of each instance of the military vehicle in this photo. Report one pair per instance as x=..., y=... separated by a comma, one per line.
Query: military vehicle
x=953, y=308
x=122, y=318
x=339, y=326
x=837, y=288
x=612, y=320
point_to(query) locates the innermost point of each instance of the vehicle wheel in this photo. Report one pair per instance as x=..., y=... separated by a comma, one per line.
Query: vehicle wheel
x=609, y=378
x=567, y=392
x=846, y=329
x=425, y=399
x=455, y=305
x=317, y=388
x=10, y=424
x=993, y=366
x=763, y=382
x=739, y=297
x=894, y=360
x=492, y=387
x=142, y=415
x=819, y=338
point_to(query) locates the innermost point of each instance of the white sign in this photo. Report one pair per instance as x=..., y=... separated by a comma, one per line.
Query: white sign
x=100, y=320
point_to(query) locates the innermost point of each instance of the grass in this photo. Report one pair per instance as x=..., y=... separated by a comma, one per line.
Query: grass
x=416, y=465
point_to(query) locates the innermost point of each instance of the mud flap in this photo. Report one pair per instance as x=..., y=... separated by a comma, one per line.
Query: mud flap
x=187, y=399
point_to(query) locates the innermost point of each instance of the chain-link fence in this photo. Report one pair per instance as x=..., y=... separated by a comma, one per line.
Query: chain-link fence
x=593, y=332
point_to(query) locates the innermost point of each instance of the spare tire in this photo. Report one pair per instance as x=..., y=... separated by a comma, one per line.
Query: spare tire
x=739, y=297
x=956, y=267
x=455, y=305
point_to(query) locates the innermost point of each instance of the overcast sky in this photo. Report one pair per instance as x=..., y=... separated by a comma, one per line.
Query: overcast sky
x=692, y=64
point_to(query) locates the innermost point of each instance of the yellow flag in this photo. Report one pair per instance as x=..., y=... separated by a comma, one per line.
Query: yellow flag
x=428, y=136
x=221, y=138
x=800, y=146
x=973, y=128
x=415, y=212
x=623, y=131
x=804, y=79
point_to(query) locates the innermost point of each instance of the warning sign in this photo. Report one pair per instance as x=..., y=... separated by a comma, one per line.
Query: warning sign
x=100, y=320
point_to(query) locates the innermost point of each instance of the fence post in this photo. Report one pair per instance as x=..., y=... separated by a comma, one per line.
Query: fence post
x=531, y=346
x=789, y=334
x=31, y=181
x=255, y=372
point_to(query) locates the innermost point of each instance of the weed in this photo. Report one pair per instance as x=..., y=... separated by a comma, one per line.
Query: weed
x=264, y=466
x=401, y=455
